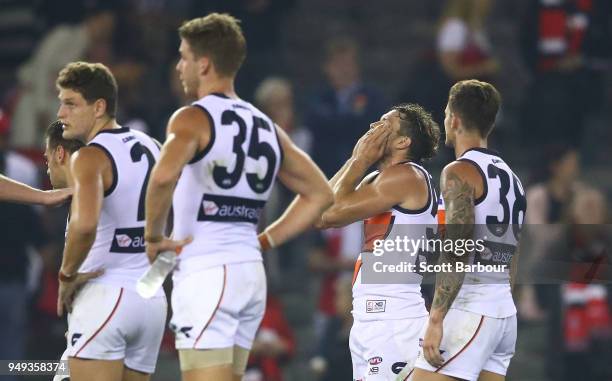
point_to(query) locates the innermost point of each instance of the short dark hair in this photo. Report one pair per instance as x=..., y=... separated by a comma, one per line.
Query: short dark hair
x=476, y=103
x=424, y=132
x=93, y=81
x=54, y=135
x=219, y=37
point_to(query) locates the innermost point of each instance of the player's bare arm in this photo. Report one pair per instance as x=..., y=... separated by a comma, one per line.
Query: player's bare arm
x=300, y=175
x=392, y=187
x=188, y=132
x=91, y=175
x=458, y=189
x=14, y=191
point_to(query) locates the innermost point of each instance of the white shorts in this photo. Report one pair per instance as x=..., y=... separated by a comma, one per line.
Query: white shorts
x=473, y=343
x=219, y=307
x=112, y=323
x=381, y=349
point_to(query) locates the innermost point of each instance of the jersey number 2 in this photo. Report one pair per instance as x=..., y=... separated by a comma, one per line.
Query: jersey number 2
x=137, y=151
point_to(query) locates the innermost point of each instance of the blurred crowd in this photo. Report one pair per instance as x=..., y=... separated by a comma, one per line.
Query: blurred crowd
x=557, y=111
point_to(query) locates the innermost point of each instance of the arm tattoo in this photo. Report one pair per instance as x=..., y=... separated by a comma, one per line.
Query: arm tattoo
x=459, y=198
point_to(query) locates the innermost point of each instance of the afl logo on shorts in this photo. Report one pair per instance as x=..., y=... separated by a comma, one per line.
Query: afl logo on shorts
x=375, y=360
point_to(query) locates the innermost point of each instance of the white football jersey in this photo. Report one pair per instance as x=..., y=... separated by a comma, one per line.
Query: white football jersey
x=499, y=215
x=221, y=193
x=398, y=298
x=119, y=247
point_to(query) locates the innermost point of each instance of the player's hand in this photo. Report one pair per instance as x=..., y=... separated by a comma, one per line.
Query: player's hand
x=371, y=147
x=56, y=196
x=166, y=244
x=67, y=290
x=431, y=344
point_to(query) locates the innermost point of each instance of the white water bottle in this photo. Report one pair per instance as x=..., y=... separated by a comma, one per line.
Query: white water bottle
x=152, y=280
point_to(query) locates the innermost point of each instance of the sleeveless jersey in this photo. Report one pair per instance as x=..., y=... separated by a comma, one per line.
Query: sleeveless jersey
x=119, y=247
x=402, y=299
x=221, y=193
x=499, y=215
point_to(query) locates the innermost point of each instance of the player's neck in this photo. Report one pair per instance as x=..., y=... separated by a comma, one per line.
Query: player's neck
x=393, y=159
x=468, y=142
x=223, y=86
x=100, y=125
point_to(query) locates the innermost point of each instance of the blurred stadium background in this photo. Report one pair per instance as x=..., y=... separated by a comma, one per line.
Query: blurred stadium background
x=325, y=69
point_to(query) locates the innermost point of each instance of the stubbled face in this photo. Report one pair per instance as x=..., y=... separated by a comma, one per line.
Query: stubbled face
x=448, y=121
x=187, y=68
x=54, y=162
x=77, y=116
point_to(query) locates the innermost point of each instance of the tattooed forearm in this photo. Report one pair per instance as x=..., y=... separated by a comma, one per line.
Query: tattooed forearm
x=459, y=199
x=448, y=283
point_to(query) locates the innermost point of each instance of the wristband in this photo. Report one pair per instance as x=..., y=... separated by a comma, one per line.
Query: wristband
x=265, y=241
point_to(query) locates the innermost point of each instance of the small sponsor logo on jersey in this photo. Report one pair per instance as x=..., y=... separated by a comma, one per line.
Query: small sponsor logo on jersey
x=486, y=254
x=127, y=139
x=123, y=240
x=375, y=360
x=373, y=370
x=375, y=306
x=397, y=367
x=75, y=337
x=210, y=208
x=230, y=209
x=128, y=240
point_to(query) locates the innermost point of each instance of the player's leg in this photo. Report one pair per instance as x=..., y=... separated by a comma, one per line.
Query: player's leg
x=134, y=375
x=357, y=348
x=241, y=357
x=251, y=306
x=407, y=333
x=425, y=375
x=485, y=375
x=468, y=341
x=205, y=327
x=145, y=336
x=497, y=365
x=96, y=343
x=95, y=370
x=206, y=364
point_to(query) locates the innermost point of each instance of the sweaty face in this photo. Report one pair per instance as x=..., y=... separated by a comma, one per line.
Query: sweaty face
x=188, y=70
x=77, y=116
x=448, y=120
x=56, y=175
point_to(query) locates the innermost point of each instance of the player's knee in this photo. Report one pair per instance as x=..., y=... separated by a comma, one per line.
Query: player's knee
x=191, y=359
